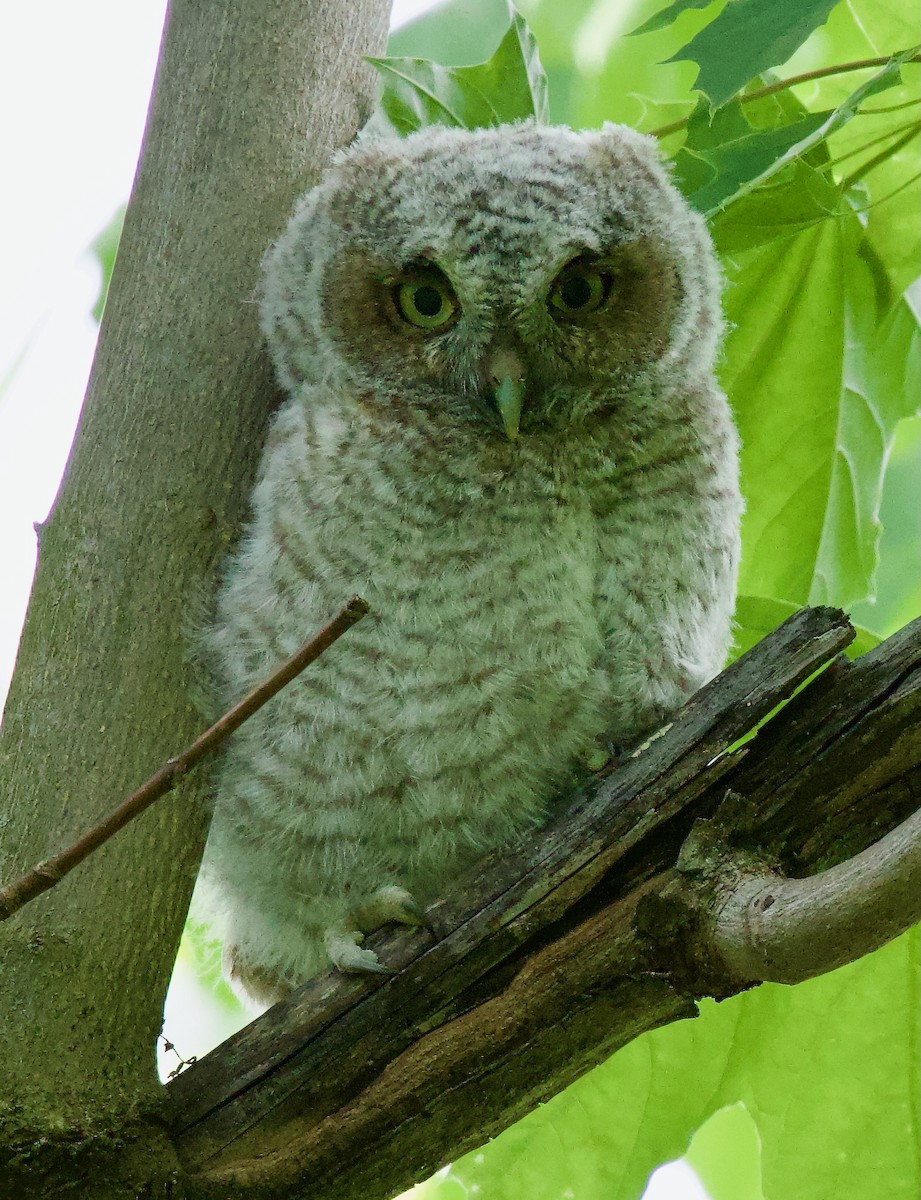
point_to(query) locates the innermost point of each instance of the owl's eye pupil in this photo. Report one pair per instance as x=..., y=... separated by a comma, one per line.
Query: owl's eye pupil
x=575, y=292
x=427, y=305
x=578, y=290
x=428, y=301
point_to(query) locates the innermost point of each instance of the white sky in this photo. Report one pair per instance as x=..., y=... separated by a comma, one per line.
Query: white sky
x=74, y=85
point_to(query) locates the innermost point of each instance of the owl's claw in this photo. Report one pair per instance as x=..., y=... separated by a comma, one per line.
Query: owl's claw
x=406, y=911
x=596, y=758
x=346, y=954
x=390, y=903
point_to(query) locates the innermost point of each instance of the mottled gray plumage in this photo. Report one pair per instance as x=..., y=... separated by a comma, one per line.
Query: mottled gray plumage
x=532, y=597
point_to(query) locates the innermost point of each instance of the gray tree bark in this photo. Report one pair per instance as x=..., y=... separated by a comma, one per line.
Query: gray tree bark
x=249, y=102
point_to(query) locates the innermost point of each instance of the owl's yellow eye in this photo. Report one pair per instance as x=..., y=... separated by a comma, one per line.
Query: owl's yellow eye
x=578, y=290
x=427, y=303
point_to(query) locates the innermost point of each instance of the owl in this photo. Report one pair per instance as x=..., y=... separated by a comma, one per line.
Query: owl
x=502, y=428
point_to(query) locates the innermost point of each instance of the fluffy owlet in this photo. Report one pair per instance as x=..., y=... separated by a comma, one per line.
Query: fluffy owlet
x=503, y=430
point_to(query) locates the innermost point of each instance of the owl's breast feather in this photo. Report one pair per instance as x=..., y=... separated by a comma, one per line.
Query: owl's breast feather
x=481, y=582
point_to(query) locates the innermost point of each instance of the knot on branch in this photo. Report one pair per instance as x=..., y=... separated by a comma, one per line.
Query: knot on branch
x=716, y=861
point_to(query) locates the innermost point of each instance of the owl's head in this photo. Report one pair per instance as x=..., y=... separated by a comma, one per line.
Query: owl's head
x=521, y=277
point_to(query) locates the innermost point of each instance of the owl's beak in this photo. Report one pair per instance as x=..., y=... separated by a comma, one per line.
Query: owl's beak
x=508, y=397
x=506, y=389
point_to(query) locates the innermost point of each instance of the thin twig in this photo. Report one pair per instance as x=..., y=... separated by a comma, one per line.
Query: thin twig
x=864, y=147
x=878, y=159
x=781, y=85
x=889, y=195
x=52, y=870
x=888, y=108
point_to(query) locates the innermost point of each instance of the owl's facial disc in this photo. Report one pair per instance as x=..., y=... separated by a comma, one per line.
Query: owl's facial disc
x=581, y=288
x=423, y=298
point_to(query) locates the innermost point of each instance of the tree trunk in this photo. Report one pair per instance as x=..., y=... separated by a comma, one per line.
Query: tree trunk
x=249, y=102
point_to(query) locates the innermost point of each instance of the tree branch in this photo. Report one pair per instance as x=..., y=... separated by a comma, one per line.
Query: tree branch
x=546, y=960
x=787, y=930
x=781, y=85
x=52, y=870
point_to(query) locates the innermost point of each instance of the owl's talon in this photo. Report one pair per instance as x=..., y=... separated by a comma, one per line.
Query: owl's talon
x=346, y=954
x=389, y=903
x=596, y=759
x=410, y=913
x=370, y=964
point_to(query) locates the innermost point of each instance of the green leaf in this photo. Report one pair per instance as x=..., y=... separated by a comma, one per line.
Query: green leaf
x=510, y=86
x=748, y=37
x=898, y=591
x=725, y=1155
x=757, y=616
x=723, y=152
x=798, y=1053
x=882, y=377
x=795, y=200
x=815, y=128
x=604, y=1135
x=796, y=197
x=443, y=1186
x=595, y=73
x=104, y=248
x=817, y=385
x=665, y=16
x=858, y=30
x=454, y=33
x=827, y=1070
x=782, y=372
